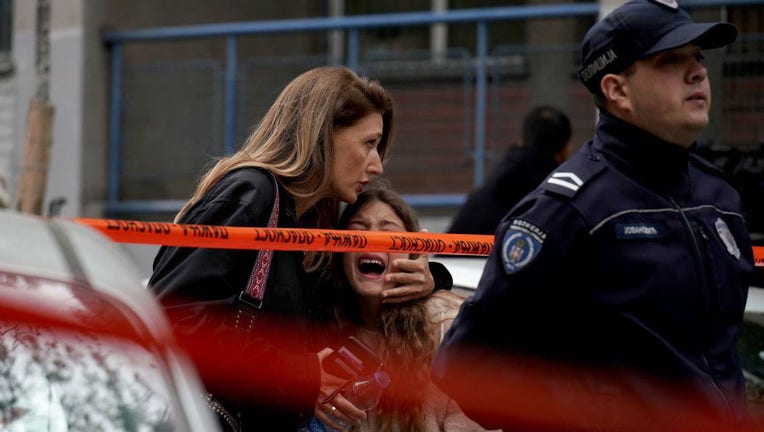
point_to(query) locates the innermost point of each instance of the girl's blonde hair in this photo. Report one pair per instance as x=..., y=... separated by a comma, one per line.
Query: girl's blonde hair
x=408, y=333
x=294, y=140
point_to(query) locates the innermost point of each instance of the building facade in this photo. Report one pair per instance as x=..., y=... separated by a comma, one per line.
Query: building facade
x=139, y=159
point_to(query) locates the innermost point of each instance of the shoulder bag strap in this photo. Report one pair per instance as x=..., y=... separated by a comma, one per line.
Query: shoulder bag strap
x=254, y=293
x=250, y=300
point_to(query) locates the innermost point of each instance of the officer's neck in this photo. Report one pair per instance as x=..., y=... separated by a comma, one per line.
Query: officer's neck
x=676, y=136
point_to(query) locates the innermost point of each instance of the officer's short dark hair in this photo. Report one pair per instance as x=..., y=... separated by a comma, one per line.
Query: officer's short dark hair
x=546, y=128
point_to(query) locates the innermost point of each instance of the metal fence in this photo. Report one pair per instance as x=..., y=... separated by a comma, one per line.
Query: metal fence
x=170, y=114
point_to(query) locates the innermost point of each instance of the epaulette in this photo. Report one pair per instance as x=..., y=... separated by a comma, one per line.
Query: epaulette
x=573, y=175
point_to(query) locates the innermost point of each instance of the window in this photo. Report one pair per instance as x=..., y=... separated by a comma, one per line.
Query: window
x=6, y=35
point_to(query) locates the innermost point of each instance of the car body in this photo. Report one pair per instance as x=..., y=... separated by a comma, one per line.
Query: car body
x=466, y=273
x=83, y=345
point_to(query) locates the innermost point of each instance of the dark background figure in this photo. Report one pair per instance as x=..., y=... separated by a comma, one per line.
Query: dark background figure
x=545, y=144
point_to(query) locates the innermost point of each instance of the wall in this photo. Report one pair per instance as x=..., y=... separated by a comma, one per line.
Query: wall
x=7, y=130
x=65, y=89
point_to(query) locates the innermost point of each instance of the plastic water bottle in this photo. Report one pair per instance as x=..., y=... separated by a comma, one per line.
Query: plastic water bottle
x=364, y=393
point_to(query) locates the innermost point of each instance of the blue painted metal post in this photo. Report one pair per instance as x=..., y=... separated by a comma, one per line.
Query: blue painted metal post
x=354, y=45
x=230, y=94
x=468, y=104
x=115, y=128
x=480, y=94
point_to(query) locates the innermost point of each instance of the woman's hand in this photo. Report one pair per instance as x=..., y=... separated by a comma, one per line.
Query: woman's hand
x=334, y=411
x=410, y=279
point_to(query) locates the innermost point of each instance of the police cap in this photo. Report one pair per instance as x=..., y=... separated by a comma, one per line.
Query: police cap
x=638, y=29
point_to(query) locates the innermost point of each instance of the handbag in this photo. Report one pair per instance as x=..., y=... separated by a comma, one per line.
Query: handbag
x=247, y=304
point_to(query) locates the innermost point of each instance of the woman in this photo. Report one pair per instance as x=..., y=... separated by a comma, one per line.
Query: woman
x=404, y=336
x=319, y=144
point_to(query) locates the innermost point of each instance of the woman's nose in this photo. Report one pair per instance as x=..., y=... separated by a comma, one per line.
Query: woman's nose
x=375, y=166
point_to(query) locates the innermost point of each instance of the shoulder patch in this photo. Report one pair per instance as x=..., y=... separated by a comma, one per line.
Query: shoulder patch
x=522, y=243
x=572, y=175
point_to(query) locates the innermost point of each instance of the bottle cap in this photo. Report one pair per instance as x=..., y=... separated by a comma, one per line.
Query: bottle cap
x=382, y=378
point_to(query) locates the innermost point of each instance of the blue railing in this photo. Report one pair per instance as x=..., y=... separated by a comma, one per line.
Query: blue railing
x=352, y=25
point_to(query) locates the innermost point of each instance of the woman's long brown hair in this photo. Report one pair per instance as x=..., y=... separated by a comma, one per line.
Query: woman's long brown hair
x=294, y=140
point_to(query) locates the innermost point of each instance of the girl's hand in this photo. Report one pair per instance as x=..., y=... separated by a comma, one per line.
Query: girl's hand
x=336, y=413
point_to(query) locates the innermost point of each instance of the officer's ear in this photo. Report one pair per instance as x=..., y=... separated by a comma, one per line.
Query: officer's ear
x=615, y=91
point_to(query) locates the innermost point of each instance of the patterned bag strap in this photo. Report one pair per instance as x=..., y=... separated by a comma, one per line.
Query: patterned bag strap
x=254, y=293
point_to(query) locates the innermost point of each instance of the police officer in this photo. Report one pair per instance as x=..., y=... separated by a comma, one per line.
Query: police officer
x=615, y=291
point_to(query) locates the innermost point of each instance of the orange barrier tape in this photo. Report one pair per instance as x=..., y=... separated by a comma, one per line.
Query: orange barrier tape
x=220, y=237
x=223, y=237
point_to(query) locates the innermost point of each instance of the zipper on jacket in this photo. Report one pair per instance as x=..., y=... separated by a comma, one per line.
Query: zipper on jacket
x=698, y=254
x=714, y=292
x=702, y=260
